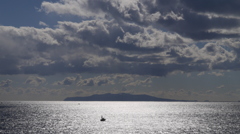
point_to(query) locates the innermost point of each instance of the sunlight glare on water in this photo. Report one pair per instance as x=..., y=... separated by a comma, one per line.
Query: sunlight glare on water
x=121, y=117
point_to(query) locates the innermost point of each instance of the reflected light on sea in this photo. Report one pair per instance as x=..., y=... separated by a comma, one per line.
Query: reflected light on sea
x=121, y=117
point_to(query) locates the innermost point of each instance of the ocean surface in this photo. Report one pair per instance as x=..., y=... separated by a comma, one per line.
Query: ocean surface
x=61, y=117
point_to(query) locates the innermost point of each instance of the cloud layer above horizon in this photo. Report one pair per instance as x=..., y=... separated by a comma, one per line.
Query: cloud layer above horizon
x=142, y=37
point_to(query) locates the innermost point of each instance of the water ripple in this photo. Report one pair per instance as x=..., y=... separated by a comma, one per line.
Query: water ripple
x=122, y=117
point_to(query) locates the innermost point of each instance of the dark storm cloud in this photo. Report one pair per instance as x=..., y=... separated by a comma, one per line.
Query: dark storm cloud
x=194, y=23
x=228, y=7
x=196, y=26
x=191, y=19
x=188, y=18
x=145, y=37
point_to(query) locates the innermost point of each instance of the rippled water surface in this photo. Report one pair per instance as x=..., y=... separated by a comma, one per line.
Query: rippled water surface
x=121, y=117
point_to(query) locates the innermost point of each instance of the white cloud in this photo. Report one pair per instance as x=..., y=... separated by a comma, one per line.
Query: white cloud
x=201, y=73
x=72, y=7
x=34, y=80
x=172, y=15
x=43, y=24
x=66, y=81
x=150, y=38
x=217, y=73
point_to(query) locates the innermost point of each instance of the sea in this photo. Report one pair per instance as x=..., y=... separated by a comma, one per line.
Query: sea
x=81, y=117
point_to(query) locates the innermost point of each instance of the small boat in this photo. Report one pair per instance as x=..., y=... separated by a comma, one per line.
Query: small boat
x=102, y=119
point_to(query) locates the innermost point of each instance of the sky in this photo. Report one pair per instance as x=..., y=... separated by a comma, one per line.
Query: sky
x=176, y=49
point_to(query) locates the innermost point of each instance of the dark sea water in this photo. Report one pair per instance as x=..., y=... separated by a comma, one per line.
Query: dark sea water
x=121, y=117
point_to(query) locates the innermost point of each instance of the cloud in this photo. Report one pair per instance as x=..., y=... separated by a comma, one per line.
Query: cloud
x=43, y=24
x=123, y=79
x=210, y=92
x=201, y=73
x=68, y=81
x=187, y=18
x=140, y=82
x=214, y=6
x=139, y=37
x=35, y=81
x=69, y=7
x=96, y=81
x=5, y=83
x=217, y=73
x=221, y=86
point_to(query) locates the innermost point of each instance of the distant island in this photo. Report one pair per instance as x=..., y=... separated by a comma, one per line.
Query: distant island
x=118, y=97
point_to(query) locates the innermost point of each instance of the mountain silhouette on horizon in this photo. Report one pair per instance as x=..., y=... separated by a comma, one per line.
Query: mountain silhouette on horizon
x=118, y=97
